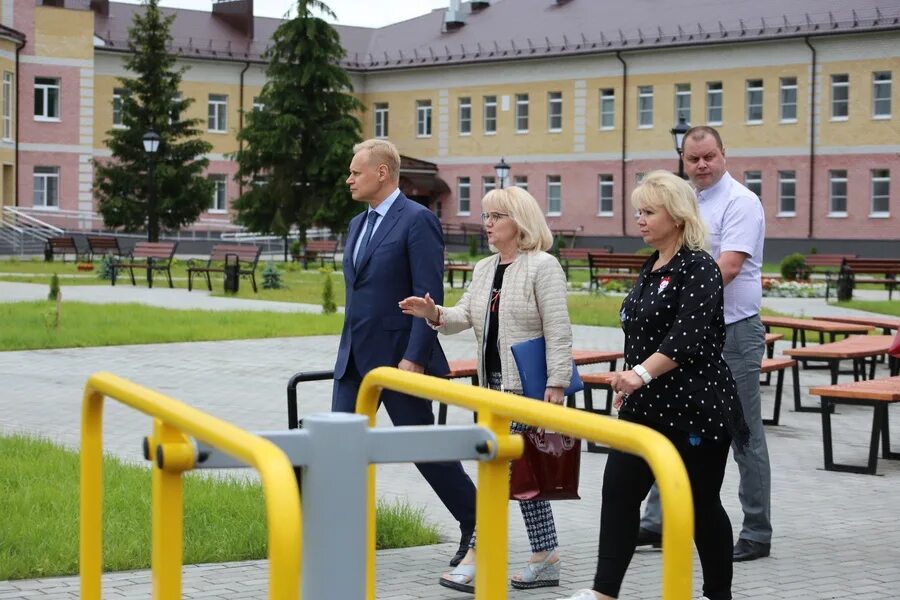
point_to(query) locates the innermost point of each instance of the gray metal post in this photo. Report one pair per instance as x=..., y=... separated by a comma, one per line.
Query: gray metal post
x=334, y=507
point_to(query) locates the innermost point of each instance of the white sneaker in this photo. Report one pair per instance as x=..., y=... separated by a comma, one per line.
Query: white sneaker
x=581, y=595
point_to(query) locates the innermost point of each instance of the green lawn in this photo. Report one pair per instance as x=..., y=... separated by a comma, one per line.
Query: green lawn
x=224, y=519
x=884, y=307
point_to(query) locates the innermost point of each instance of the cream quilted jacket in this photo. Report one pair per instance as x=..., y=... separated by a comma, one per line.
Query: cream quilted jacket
x=532, y=304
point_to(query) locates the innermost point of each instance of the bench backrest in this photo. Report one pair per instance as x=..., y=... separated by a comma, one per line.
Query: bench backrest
x=101, y=243
x=580, y=253
x=885, y=266
x=63, y=243
x=155, y=250
x=321, y=246
x=632, y=262
x=246, y=254
x=826, y=260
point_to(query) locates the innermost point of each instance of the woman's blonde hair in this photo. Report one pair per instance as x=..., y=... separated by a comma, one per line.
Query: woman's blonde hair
x=661, y=189
x=523, y=209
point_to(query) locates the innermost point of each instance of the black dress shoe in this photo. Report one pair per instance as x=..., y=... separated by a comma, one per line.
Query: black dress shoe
x=750, y=550
x=464, y=540
x=648, y=538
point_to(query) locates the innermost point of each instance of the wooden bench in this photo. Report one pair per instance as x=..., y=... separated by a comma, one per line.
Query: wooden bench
x=577, y=258
x=150, y=256
x=101, y=245
x=780, y=365
x=61, y=246
x=456, y=265
x=247, y=256
x=320, y=250
x=799, y=327
x=825, y=263
x=858, y=348
x=877, y=393
x=886, y=268
x=614, y=266
x=886, y=324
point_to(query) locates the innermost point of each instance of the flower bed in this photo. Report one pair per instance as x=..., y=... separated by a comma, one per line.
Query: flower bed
x=85, y=267
x=778, y=288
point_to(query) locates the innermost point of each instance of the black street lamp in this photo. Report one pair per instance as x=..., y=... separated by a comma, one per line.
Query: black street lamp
x=502, y=170
x=151, y=145
x=678, y=137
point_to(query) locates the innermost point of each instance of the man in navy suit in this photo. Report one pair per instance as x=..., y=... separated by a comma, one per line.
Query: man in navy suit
x=395, y=250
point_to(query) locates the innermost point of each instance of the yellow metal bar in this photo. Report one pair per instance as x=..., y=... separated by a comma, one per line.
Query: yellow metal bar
x=492, y=516
x=167, y=517
x=276, y=473
x=656, y=449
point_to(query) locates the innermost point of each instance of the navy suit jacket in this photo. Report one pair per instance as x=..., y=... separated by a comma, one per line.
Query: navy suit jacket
x=405, y=257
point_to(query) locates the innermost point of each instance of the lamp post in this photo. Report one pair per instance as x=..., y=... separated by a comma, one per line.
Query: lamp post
x=502, y=170
x=151, y=145
x=678, y=137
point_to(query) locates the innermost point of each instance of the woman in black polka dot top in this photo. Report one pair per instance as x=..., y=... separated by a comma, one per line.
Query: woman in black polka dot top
x=677, y=383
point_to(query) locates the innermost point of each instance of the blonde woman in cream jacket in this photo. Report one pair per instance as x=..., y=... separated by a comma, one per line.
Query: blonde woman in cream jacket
x=517, y=294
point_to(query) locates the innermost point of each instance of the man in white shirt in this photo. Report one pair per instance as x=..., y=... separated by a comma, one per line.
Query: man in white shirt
x=737, y=228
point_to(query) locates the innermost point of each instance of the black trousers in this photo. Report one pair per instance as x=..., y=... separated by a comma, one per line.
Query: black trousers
x=627, y=480
x=448, y=479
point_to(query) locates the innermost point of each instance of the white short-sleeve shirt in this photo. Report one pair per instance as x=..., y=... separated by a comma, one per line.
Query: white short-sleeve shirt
x=736, y=222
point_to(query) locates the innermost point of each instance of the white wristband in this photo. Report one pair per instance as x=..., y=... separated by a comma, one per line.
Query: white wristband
x=643, y=373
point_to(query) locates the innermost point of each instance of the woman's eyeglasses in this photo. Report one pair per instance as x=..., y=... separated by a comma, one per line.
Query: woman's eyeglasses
x=493, y=217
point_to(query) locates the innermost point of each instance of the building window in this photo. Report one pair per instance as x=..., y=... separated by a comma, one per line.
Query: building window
x=7, y=105
x=46, y=99
x=607, y=108
x=465, y=115
x=217, y=119
x=605, y=195
x=521, y=181
x=714, y=103
x=753, y=182
x=119, y=95
x=645, y=106
x=46, y=187
x=754, y=100
x=881, y=94
x=488, y=183
x=881, y=191
x=463, y=195
x=837, y=193
x=554, y=195
x=639, y=177
x=219, y=202
x=423, y=118
x=554, y=111
x=683, y=102
x=788, y=102
x=521, y=113
x=257, y=104
x=381, y=119
x=787, y=193
x=490, y=115
x=840, y=97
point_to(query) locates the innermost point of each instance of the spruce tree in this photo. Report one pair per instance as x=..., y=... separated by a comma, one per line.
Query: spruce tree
x=297, y=147
x=152, y=102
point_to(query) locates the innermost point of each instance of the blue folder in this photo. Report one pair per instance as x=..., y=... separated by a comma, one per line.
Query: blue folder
x=531, y=360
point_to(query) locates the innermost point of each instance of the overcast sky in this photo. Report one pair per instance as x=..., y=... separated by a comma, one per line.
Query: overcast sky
x=364, y=13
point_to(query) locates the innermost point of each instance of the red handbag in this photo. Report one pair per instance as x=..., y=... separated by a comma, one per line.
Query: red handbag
x=549, y=467
x=895, y=346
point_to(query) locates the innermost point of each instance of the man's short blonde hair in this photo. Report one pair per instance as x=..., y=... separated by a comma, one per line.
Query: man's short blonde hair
x=523, y=209
x=661, y=189
x=382, y=152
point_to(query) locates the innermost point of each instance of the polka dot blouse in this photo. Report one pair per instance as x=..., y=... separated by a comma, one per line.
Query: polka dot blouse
x=677, y=310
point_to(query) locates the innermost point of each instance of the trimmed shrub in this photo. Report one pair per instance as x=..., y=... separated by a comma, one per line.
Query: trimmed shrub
x=793, y=267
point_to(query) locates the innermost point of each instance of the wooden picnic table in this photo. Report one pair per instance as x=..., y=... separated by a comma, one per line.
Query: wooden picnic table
x=886, y=324
x=877, y=393
x=801, y=326
x=467, y=367
x=858, y=348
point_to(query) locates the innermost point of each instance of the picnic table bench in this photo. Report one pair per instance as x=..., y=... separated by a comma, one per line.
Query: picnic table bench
x=150, y=256
x=247, y=256
x=606, y=265
x=61, y=245
x=886, y=324
x=102, y=245
x=886, y=268
x=577, y=258
x=799, y=327
x=858, y=348
x=877, y=393
x=320, y=250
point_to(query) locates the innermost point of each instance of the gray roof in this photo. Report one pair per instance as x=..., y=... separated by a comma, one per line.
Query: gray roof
x=516, y=29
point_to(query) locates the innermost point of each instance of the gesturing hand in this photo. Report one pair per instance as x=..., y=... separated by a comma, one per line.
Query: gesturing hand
x=420, y=307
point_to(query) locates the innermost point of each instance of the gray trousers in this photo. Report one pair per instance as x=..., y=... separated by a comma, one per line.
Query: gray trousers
x=744, y=348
